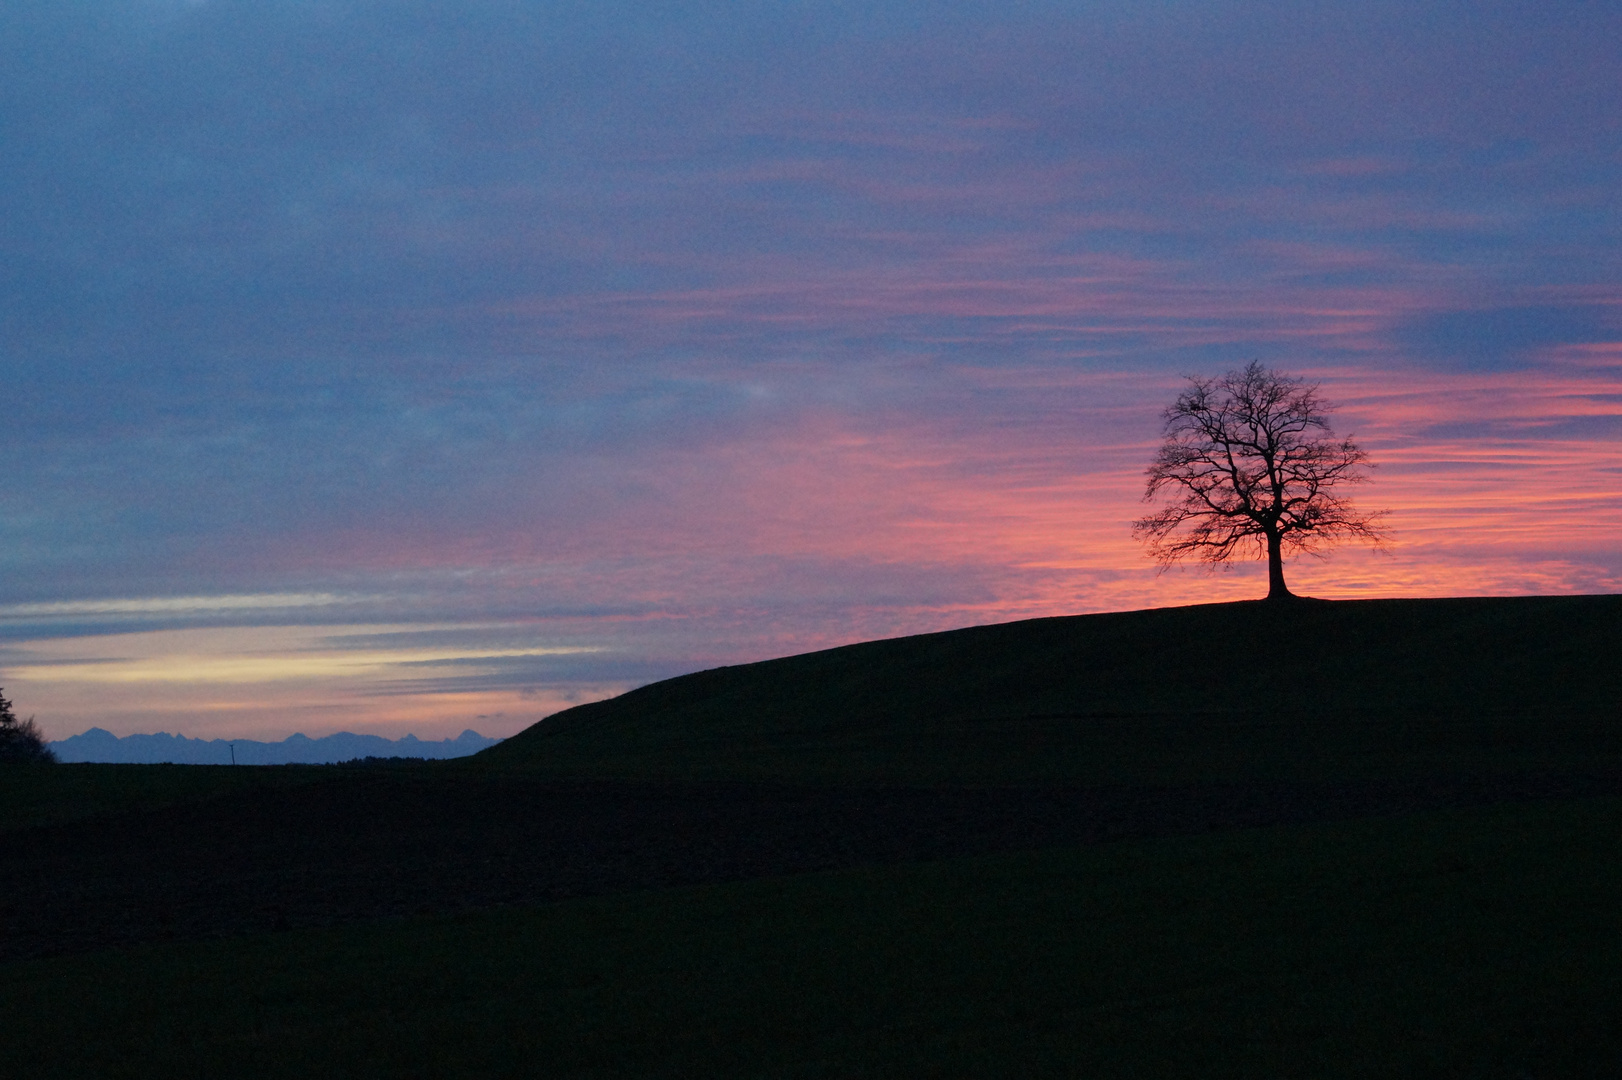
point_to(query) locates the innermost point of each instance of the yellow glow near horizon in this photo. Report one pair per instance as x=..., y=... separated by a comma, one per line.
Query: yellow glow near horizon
x=244, y=655
x=267, y=682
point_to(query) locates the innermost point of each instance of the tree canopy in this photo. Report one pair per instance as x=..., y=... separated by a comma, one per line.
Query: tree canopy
x=21, y=740
x=1249, y=466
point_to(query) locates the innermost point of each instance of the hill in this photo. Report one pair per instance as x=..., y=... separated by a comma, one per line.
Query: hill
x=1234, y=691
x=1328, y=839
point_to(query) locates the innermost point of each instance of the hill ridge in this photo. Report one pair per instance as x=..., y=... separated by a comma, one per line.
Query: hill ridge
x=1487, y=662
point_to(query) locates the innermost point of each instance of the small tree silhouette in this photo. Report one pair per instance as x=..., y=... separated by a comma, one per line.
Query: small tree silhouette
x=1251, y=465
x=21, y=740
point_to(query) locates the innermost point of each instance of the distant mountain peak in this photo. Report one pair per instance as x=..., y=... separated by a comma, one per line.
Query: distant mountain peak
x=100, y=745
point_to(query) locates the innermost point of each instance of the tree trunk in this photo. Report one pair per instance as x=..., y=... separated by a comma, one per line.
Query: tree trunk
x=1276, y=589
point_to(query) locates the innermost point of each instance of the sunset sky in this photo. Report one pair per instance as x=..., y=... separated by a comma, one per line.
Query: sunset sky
x=402, y=366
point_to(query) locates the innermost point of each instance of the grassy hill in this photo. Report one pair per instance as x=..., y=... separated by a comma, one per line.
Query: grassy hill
x=1332, y=839
x=1234, y=691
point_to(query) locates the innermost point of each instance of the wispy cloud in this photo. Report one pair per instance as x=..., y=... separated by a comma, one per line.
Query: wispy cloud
x=165, y=606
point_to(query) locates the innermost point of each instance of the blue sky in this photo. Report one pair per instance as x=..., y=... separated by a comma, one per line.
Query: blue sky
x=418, y=366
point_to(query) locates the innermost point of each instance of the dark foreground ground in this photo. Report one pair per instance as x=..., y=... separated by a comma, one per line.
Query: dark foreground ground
x=387, y=843
x=1480, y=943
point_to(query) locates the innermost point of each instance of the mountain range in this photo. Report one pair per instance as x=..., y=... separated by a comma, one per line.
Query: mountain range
x=98, y=744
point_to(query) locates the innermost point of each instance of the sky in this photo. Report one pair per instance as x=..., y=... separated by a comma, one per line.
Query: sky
x=412, y=367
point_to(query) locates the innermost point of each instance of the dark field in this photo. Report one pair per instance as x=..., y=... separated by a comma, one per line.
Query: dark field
x=1478, y=944
x=1326, y=839
x=388, y=846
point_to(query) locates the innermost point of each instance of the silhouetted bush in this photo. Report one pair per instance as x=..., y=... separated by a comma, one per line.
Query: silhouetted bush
x=20, y=740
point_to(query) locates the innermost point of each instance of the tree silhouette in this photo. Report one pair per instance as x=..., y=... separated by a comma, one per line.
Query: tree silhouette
x=1250, y=465
x=20, y=740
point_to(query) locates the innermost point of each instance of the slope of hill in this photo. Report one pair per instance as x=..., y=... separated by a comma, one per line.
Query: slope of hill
x=1314, y=688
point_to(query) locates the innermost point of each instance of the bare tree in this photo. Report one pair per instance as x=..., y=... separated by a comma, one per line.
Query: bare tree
x=21, y=740
x=1250, y=465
